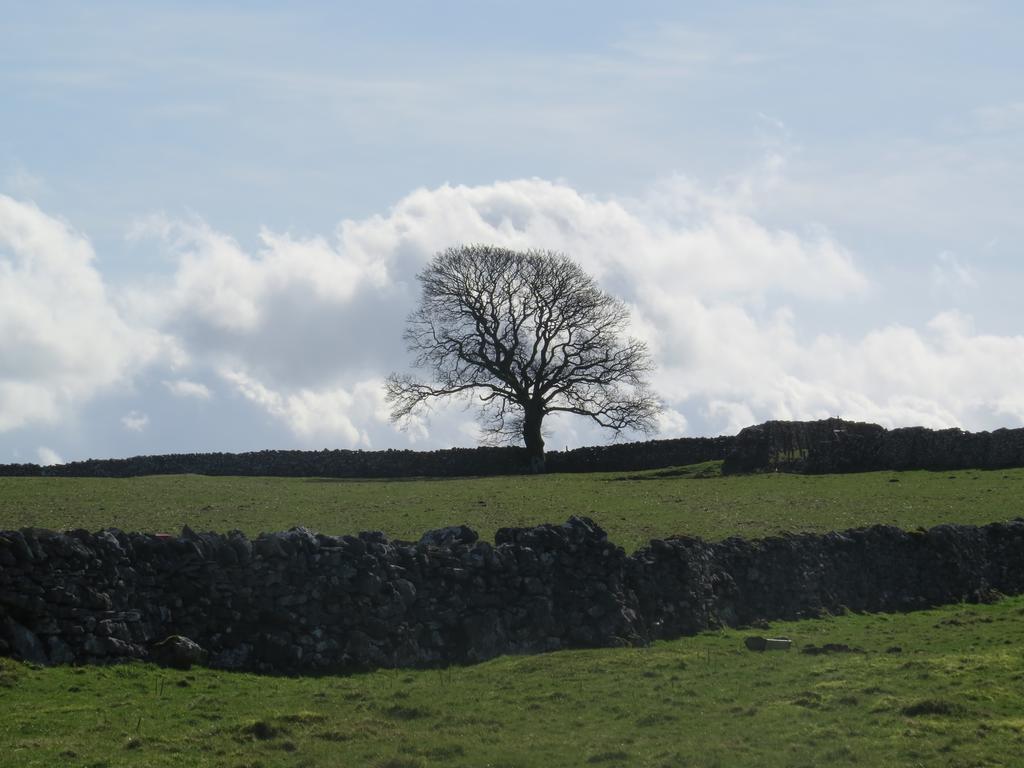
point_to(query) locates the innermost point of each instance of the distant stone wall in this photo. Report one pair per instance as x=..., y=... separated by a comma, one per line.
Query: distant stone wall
x=452, y=462
x=810, y=447
x=834, y=445
x=300, y=601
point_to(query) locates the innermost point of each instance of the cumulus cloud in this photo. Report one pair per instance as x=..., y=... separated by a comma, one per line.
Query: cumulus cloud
x=305, y=329
x=62, y=339
x=294, y=311
x=327, y=413
x=224, y=288
x=944, y=375
x=300, y=325
x=48, y=456
x=671, y=423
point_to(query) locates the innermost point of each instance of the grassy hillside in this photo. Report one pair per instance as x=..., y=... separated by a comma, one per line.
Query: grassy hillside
x=633, y=508
x=939, y=687
x=950, y=696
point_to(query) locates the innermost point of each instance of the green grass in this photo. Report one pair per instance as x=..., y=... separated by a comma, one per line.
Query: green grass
x=950, y=697
x=632, y=507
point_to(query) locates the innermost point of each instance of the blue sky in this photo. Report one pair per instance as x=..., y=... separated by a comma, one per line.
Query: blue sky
x=212, y=213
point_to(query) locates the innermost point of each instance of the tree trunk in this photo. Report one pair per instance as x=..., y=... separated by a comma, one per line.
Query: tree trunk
x=532, y=437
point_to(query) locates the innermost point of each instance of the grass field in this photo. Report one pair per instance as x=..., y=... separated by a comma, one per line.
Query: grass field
x=632, y=507
x=953, y=695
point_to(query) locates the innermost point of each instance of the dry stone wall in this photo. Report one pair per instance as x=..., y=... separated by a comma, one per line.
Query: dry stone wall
x=834, y=445
x=451, y=462
x=812, y=447
x=301, y=601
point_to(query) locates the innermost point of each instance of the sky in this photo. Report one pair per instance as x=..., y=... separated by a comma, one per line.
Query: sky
x=212, y=214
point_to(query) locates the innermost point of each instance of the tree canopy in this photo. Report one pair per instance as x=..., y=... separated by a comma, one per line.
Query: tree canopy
x=525, y=333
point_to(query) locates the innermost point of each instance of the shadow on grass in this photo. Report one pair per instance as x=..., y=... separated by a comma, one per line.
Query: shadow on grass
x=703, y=471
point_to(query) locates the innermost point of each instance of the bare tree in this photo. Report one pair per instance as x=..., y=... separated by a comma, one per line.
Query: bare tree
x=527, y=334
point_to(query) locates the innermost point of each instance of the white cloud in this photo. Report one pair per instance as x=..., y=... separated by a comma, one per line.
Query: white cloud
x=671, y=423
x=946, y=375
x=325, y=413
x=302, y=324
x=732, y=416
x=297, y=311
x=62, y=339
x=186, y=388
x=305, y=329
x=680, y=238
x=135, y=421
x=227, y=289
x=48, y=456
